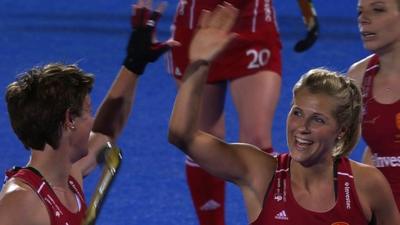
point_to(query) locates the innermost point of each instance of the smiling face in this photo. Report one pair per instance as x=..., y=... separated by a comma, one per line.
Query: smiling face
x=312, y=130
x=379, y=24
x=325, y=101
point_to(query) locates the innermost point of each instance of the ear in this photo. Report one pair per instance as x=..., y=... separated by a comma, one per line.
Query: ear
x=342, y=132
x=69, y=120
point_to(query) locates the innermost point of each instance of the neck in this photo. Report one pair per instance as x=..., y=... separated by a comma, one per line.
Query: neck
x=388, y=60
x=53, y=165
x=308, y=175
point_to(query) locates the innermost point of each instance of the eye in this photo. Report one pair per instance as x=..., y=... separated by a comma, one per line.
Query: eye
x=319, y=120
x=297, y=112
x=379, y=9
x=359, y=12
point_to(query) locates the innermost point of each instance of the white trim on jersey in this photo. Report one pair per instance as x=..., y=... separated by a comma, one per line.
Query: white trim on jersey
x=191, y=16
x=255, y=13
x=345, y=174
x=41, y=187
x=371, y=68
x=189, y=161
x=282, y=170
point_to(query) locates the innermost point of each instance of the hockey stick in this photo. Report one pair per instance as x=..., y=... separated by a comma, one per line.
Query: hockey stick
x=311, y=21
x=112, y=159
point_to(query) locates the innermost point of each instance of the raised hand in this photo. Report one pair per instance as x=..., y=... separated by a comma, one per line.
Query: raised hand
x=213, y=33
x=142, y=46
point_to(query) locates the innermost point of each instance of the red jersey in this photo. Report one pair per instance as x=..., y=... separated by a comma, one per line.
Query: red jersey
x=58, y=213
x=281, y=208
x=381, y=130
x=256, y=48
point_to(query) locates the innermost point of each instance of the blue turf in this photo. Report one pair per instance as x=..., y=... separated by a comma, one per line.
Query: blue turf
x=151, y=188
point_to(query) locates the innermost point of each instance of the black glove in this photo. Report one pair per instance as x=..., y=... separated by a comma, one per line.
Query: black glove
x=141, y=49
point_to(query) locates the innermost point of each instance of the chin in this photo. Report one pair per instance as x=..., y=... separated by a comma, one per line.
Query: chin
x=371, y=47
x=303, y=157
x=295, y=154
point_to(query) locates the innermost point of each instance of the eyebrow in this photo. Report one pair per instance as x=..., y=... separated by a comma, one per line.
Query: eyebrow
x=372, y=4
x=313, y=113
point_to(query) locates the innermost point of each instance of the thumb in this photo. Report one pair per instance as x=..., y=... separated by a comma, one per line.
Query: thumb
x=172, y=43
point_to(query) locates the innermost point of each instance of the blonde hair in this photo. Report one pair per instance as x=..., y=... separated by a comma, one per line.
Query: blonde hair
x=348, y=99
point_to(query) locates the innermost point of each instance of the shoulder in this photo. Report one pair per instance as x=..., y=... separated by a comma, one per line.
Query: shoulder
x=374, y=193
x=19, y=204
x=372, y=187
x=357, y=70
x=368, y=177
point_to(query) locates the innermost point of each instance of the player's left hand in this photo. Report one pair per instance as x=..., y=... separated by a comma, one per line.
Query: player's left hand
x=142, y=46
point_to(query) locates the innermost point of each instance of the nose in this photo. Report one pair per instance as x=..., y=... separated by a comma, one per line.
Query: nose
x=363, y=18
x=304, y=127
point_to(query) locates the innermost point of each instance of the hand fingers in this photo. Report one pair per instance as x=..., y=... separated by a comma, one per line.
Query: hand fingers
x=154, y=17
x=172, y=43
x=143, y=14
x=157, y=50
x=148, y=4
x=223, y=17
x=204, y=18
x=161, y=7
x=140, y=15
x=230, y=15
x=140, y=3
x=216, y=17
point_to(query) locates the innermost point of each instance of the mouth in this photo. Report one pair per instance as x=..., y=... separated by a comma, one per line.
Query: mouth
x=365, y=35
x=302, y=143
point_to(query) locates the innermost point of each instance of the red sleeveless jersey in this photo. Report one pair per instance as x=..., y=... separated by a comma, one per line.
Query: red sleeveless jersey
x=281, y=208
x=58, y=213
x=381, y=130
x=256, y=48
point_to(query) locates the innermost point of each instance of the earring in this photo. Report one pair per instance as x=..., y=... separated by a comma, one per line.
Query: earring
x=73, y=125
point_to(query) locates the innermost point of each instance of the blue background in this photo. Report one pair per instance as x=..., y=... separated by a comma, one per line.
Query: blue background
x=151, y=187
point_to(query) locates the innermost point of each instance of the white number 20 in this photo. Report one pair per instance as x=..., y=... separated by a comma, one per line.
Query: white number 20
x=260, y=58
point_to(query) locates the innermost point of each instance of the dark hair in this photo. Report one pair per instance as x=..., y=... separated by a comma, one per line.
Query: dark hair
x=39, y=98
x=349, y=103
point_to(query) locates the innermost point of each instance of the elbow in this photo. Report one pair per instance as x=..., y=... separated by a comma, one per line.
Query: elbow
x=178, y=139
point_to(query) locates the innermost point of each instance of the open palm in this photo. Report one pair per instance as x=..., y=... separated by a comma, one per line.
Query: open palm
x=213, y=33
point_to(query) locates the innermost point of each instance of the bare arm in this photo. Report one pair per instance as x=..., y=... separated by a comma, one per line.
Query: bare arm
x=357, y=70
x=111, y=117
x=115, y=109
x=375, y=195
x=243, y=164
x=205, y=149
x=231, y=162
x=19, y=205
x=382, y=201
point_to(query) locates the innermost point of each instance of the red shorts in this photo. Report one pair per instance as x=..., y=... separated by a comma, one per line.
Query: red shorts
x=257, y=47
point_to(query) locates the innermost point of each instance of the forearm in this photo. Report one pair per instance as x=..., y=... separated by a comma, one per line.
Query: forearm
x=185, y=114
x=116, y=107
